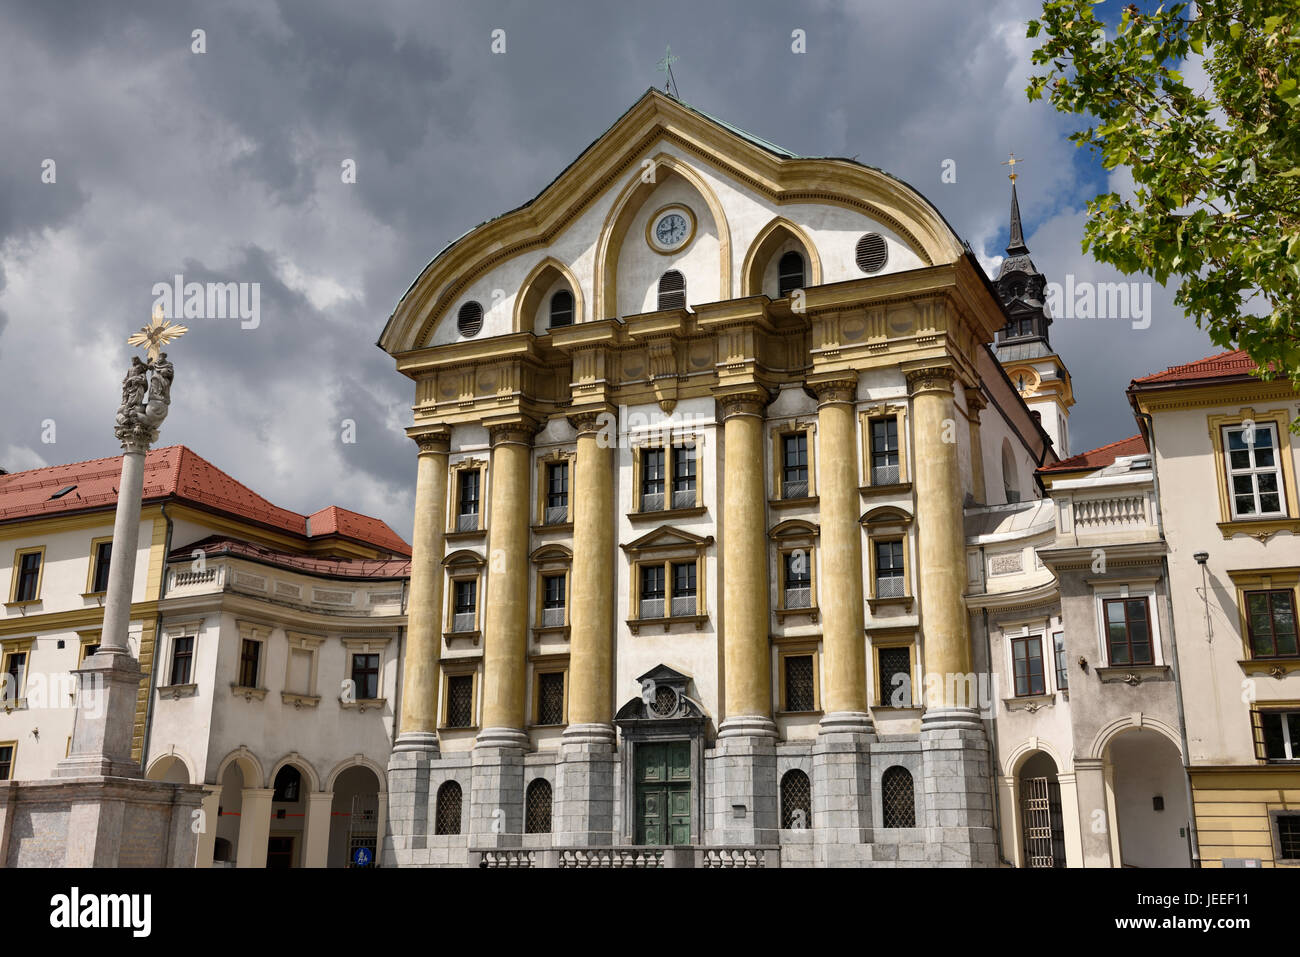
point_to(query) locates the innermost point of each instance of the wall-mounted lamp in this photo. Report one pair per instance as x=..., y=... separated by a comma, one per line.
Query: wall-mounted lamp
x=1083, y=664
x=1201, y=557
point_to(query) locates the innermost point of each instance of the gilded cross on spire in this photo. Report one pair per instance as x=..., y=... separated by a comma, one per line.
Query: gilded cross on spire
x=157, y=334
x=1012, y=163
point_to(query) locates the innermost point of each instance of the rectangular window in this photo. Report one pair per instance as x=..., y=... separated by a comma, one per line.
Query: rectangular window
x=1062, y=672
x=29, y=576
x=1128, y=631
x=1027, y=657
x=799, y=683
x=889, y=569
x=683, y=476
x=182, y=659
x=1270, y=619
x=895, y=677
x=652, y=592
x=652, y=480
x=6, y=761
x=798, y=579
x=466, y=604
x=103, y=554
x=1277, y=735
x=557, y=493
x=684, y=595
x=884, y=451
x=1254, y=471
x=1288, y=837
x=16, y=670
x=365, y=676
x=460, y=701
x=468, y=501
x=550, y=697
x=250, y=655
x=794, y=465
x=552, y=601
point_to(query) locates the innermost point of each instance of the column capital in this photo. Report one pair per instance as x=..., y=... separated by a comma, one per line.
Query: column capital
x=841, y=389
x=749, y=400
x=135, y=438
x=591, y=420
x=975, y=400
x=431, y=441
x=931, y=379
x=516, y=430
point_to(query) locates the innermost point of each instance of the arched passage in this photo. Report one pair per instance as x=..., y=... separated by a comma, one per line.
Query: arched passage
x=355, y=818
x=1145, y=785
x=1042, y=824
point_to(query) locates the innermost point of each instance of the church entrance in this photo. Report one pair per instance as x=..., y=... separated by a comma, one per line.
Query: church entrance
x=663, y=792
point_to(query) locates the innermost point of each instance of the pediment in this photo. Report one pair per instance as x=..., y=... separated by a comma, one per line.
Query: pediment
x=666, y=536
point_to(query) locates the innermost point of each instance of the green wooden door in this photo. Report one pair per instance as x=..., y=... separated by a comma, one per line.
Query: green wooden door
x=663, y=793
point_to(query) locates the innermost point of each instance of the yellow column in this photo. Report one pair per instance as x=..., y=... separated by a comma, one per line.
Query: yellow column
x=591, y=618
x=840, y=589
x=747, y=689
x=942, y=546
x=419, y=725
x=505, y=644
x=975, y=403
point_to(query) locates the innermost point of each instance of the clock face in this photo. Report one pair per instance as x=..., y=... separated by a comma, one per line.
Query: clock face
x=671, y=229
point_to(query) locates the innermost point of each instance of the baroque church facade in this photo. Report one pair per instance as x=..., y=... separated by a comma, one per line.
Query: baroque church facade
x=701, y=432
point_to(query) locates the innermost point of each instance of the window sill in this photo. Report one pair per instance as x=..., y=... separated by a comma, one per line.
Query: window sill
x=469, y=536
x=898, y=488
x=17, y=704
x=178, y=691
x=300, y=700
x=667, y=513
x=636, y=624
x=783, y=613
x=793, y=502
x=1259, y=528
x=547, y=727
x=1029, y=702
x=1278, y=667
x=551, y=630
x=563, y=527
x=903, y=601
x=362, y=704
x=815, y=713
x=99, y=595
x=460, y=727
x=1134, y=674
x=248, y=694
x=470, y=637
x=22, y=606
x=890, y=711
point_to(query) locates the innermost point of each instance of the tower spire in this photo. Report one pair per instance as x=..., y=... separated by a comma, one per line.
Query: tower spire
x=1016, y=246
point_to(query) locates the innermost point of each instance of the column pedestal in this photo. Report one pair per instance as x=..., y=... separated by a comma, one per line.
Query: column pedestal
x=496, y=798
x=584, y=787
x=108, y=685
x=743, y=784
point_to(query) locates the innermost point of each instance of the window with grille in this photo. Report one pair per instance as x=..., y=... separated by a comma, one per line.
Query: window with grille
x=1027, y=659
x=884, y=451
x=552, y=601
x=895, y=676
x=6, y=761
x=1062, y=672
x=557, y=493
x=469, y=320
x=871, y=253
x=1288, y=837
x=672, y=290
x=889, y=569
x=1128, y=631
x=796, y=801
x=447, y=816
x=365, y=676
x=103, y=555
x=684, y=595
x=1277, y=735
x=182, y=658
x=468, y=501
x=683, y=476
x=798, y=579
x=799, y=683
x=897, y=799
x=550, y=697
x=794, y=465
x=460, y=701
x=250, y=656
x=562, y=308
x=466, y=604
x=537, y=807
x=288, y=785
x=652, y=480
x=1254, y=471
x=1270, y=621
x=29, y=576
x=789, y=274
x=652, y=591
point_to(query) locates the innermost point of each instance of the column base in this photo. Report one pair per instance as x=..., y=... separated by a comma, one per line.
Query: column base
x=422, y=742
x=747, y=726
x=583, y=812
x=951, y=719
x=852, y=723
x=507, y=738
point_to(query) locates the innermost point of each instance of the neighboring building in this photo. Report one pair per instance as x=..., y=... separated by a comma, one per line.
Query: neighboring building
x=1226, y=463
x=696, y=429
x=247, y=620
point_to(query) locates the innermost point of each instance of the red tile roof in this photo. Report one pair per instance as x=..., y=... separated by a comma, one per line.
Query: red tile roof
x=218, y=545
x=1223, y=365
x=1099, y=458
x=176, y=472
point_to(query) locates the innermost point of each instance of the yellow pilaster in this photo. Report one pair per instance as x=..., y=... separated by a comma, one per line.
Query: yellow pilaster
x=505, y=643
x=591, y=618
x=424, y=607
x=975, y=403
x=840, y=592
x=747, y=689
x=940, y=536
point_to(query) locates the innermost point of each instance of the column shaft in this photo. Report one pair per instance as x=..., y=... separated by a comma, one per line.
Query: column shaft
x=591, y=618
x=126, y=541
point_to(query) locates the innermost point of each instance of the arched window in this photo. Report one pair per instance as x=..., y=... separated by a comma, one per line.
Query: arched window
x=1009, y=484
x=789, y=274
x=796, y=801
x=537, y=808
x=288, y=784
x=562, y=308
x=672, y=290
x=447, y=820
x=896, y=797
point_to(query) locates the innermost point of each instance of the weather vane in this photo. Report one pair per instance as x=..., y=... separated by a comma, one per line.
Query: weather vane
x=666, y=68
x=1012, y=163
x=157, y=334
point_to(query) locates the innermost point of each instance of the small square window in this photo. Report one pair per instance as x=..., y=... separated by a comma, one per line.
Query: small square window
x=895, y=677
x=651, y=604
x=1128, y=631
x=1027, y=658
x=182, y=659
x=550, y=697
x=1271, y=623
x=799, y=683
x=460, y=701
x=365, y=676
